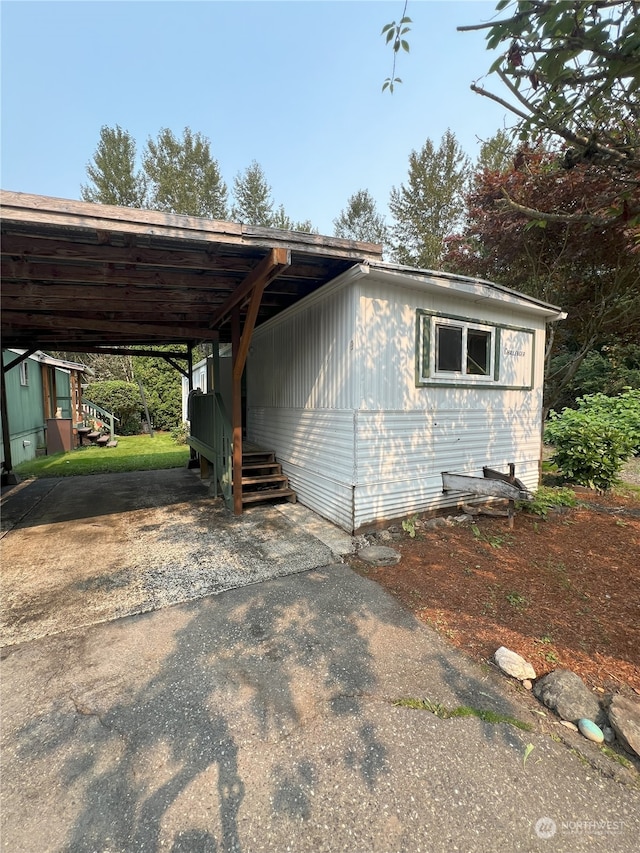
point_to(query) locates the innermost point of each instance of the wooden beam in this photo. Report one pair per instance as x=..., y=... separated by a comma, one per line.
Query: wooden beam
x=148, y=353
x=108, y=274
x=240, y=359
x=16, y=361
x=54, y=294
x=178, y=367
x=223, y=260
x=269, y=268
x=7, y=463
x=236, y=415
x=75, y=248
x=169, y=332
x=20, y=210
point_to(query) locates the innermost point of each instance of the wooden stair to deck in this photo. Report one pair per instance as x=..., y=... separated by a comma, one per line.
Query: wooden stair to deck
x=262, y=478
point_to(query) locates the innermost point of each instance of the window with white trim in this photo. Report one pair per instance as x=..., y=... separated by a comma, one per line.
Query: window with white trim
x=456, y=350
x=24, y=372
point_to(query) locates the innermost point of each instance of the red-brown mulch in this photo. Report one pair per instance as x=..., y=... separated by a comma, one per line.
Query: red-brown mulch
x=562, y=591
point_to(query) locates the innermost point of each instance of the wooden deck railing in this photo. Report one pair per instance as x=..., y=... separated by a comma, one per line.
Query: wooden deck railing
x=92, y=412
x=212, y=437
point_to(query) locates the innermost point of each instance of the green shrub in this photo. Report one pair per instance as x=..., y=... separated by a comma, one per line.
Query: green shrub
x=120, y=398
x=590, y=449
x=547, y=498
x=622, y=411
x=180, y=433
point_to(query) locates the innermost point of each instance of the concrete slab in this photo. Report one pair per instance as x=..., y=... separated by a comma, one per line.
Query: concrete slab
x=263, y=719
x=83, y=550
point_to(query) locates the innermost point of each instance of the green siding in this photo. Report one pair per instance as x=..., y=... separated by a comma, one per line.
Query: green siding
x=25, y=406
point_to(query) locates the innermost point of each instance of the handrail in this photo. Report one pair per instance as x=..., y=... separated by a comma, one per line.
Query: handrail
x=91, y=410
x=212, y=435
x=223, y=440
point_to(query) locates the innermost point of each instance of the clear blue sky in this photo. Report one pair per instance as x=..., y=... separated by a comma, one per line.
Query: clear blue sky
x=293, y=85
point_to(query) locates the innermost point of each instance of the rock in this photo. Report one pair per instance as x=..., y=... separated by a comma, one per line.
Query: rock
x=379, y=555
x=527, y=684
x=571, y=726
x=463, y=519
x=565, y=693
x=624, y=716
x=512, y=664
x=609, y=734
x=384, y=536
x=434, y=523
x=589, y=730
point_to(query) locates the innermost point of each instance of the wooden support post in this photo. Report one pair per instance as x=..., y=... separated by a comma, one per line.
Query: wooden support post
x=193, y=456
x=8, y=477
x=236, y=414
x=205, y=468
x=512, y=504
x=250, y=290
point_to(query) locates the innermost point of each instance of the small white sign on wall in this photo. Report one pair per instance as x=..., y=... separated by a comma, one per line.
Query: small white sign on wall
x=516, y=358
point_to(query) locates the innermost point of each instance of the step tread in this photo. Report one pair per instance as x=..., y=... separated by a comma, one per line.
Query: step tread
x=267, y=478
x=266, y=495
x=253, y=465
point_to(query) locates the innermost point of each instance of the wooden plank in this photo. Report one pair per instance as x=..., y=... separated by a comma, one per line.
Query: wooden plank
x=482, y=486
x=26, y=208
x=50, y=295
x=61, y=273
x=42, y=321
x=151, y=353
x=236, y=415
x=105, y=309
x=72, y=248
x=54, y=293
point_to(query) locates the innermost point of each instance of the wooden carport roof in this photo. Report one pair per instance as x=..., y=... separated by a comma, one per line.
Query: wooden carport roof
x=81, y=277
x=76, y=276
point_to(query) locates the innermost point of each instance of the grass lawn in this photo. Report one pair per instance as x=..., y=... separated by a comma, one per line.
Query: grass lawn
x=133, y=453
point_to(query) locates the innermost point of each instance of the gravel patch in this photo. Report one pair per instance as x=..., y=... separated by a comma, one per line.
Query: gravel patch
x=134, y=543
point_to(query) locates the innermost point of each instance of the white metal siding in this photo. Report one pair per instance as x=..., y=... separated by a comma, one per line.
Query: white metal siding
x=400, y=456
x=386, y=342
x=331, y=388
x=316, y=449
x=300, y=397
x=303, y=359
x=407, y=435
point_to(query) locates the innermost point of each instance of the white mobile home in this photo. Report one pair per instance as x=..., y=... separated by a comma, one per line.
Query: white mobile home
x=378, y=382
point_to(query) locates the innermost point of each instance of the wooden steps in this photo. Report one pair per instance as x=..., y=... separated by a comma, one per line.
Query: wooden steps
x=262, y=478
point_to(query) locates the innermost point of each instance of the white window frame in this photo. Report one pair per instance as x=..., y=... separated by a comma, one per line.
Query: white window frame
x=428, y=366
x=24, y=372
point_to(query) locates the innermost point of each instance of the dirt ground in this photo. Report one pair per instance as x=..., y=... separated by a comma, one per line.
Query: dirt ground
x=561, y=591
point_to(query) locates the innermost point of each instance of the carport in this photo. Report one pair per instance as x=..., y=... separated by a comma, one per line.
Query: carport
x=82, y=277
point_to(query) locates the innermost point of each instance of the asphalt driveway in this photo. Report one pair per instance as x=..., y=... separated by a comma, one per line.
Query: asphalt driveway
x=82, y=550
x=263, y=718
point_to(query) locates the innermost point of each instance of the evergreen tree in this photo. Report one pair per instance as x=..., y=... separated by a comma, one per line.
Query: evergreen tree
x=360, y=220
x=282, y=220
x=430, y=206
x=252, y=197
x=496, y=154
x=183, y=177
x=113, y=174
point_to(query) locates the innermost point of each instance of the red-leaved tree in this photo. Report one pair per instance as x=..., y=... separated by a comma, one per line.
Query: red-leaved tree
x=587, y=264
